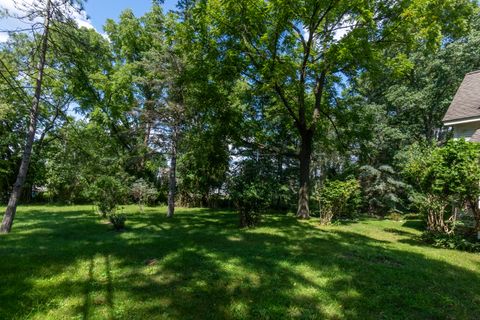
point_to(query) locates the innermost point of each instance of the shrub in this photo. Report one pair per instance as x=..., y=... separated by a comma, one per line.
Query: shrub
x=395, y=216
x=117, y=220
x=450, y=241
x=249, y=200
x=106, y=207
x=252, y=190
x=143, y=192
x=381, y=190
x=444, y=178
x=436, y=213
x=338, y=199
x=107, y=192
x=249, y=192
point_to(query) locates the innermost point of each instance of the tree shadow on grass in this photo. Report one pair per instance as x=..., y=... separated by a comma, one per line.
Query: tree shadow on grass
x=400, y=232
x=414, y=224
x=207, y=268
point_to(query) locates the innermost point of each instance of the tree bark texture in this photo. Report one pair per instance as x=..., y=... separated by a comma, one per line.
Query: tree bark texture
x=305, y=155
x=475, y=207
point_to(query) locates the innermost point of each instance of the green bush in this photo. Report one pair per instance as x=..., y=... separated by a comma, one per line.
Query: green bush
x=117, y=220
x=106, y=206
x=250, y=201
x=450, y=241
x=339, y=199
x=381, y=190
x=249, y=193
x=443, y=178
x=107, y=192
x=254, y=186
x=143, y=192
x=395, y=216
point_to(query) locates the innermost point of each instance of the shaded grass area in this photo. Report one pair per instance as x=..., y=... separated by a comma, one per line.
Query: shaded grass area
x=65, y=263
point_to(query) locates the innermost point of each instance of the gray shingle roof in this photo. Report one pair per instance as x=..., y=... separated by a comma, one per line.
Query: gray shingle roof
x=466, y=103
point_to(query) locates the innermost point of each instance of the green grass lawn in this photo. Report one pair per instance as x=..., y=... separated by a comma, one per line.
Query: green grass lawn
x=65, y=263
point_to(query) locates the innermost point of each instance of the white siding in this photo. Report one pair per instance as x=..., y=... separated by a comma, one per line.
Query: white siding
x=465, y=130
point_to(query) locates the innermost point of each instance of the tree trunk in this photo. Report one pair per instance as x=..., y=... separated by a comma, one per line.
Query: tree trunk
x=243, y=219
x=474, y=204
x=305, y=158
x=7, y=221
x=205, y=201
x=172, y=182
x=477, y=226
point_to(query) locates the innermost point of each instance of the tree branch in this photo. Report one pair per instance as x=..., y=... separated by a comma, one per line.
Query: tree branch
x=287, y=105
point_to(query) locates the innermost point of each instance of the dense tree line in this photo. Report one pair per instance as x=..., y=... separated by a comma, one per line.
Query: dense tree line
x=314, y=109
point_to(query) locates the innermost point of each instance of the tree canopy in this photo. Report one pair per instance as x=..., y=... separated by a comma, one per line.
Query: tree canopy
x=235, y=103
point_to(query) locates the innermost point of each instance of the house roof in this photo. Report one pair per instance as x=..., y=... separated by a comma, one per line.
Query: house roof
x=466, y=103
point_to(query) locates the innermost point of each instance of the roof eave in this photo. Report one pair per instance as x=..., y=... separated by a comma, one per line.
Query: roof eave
x=461, y=121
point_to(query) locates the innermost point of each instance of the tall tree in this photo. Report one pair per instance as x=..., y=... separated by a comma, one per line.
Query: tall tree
x=110, y=88
x=32, y=127
x=303, y=50
x=52, y=11
x=165, y=65
x=192, y=118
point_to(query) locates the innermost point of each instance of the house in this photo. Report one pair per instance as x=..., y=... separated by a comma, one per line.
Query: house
x=464, y=111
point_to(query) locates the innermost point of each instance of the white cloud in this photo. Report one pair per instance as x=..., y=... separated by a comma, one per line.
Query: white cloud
x=15, y=7
x=7, y=4
x=343, y=28
x=342, y=32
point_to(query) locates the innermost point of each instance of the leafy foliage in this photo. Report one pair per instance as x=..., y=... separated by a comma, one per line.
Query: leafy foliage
x=381, y=189
x=338, y=199
x=250, y=203
x=108, y=192
x=143, y=192
x=444, y=177
x=450, y=241
x=249, y=194
x=252, y=111
x=117, y=220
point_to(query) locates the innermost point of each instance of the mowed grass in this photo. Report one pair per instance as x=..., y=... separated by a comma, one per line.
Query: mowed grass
x=66, y=263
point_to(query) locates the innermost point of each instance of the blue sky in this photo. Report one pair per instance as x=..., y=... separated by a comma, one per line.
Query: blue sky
x=100, y=10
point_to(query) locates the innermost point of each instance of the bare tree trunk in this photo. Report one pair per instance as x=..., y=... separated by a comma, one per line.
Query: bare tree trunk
x=305, y=158
x=243, y=219
x=172, y=183
x=7, y=221
x=477, y=225
x=474, y=205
